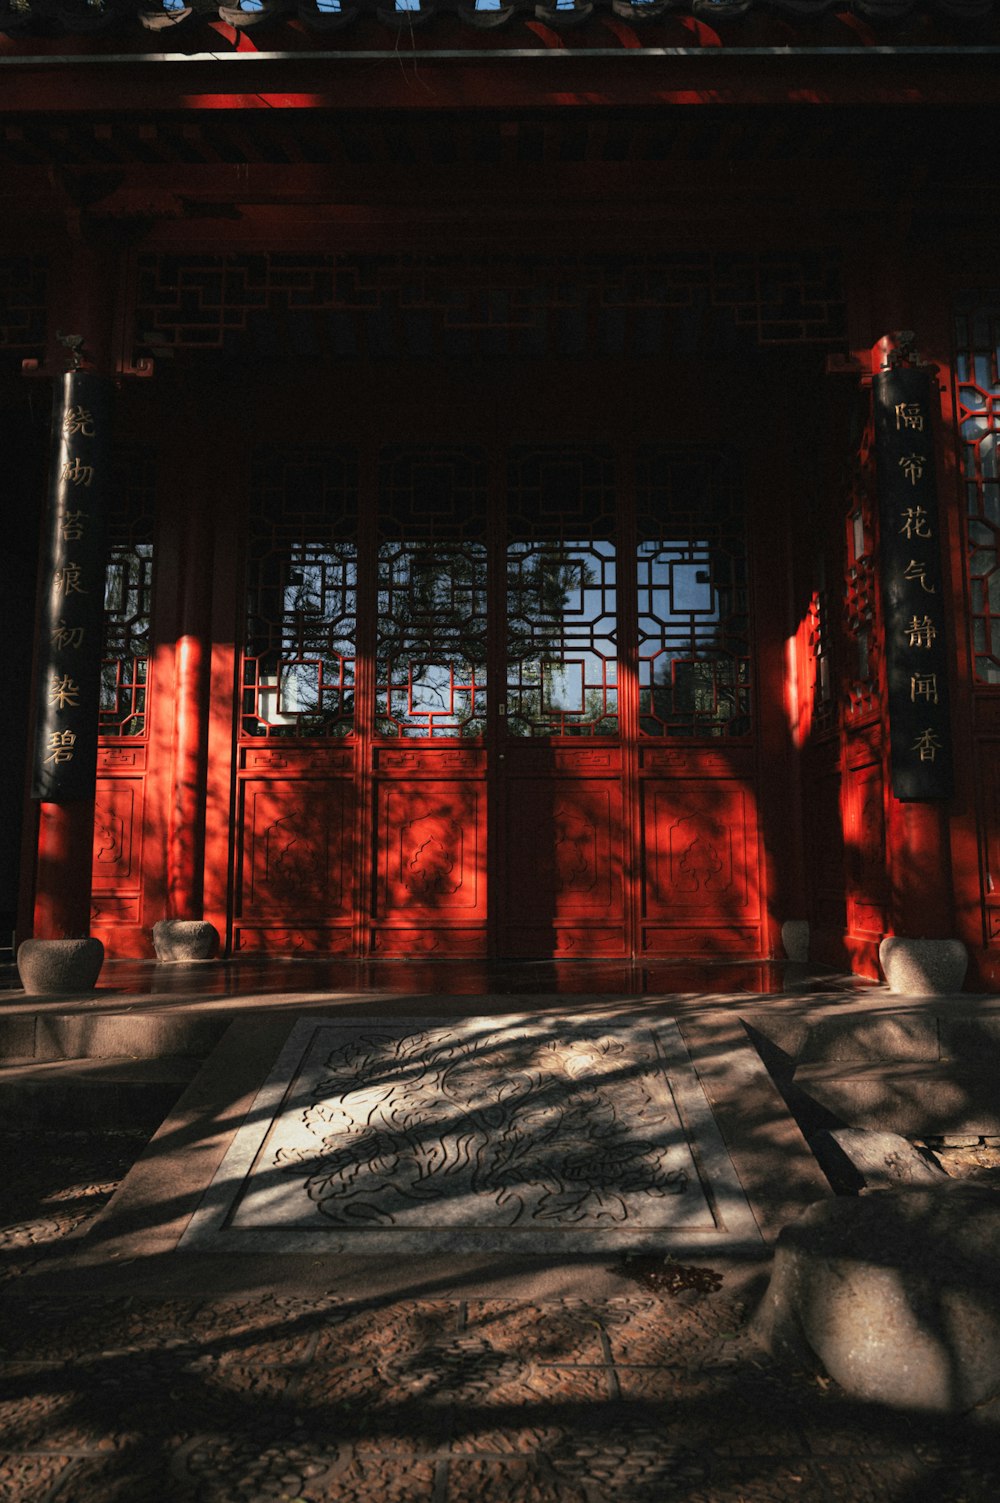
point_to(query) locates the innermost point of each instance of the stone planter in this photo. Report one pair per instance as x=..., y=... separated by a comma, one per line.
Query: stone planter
x=184, y=940
x=923, y=967
x=59, y=967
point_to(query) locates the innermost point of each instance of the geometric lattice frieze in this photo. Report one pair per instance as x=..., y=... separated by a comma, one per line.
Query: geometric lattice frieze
x=327, y=306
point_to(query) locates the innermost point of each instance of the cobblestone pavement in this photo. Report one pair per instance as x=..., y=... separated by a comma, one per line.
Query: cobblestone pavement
x=287, y=1397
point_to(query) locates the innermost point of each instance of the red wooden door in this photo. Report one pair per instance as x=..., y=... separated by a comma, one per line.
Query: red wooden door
x=496, y=699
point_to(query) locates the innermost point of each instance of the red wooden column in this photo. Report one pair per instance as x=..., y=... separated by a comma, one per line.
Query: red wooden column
x=185, y=822
x=185, y=558
x=83, y=308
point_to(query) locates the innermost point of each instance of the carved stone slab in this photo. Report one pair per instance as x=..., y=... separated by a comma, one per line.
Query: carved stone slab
x=521, y=1135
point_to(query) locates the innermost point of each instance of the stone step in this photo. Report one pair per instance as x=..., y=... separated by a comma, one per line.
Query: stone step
x=89, y=1094
x=917, y=1099
x=933, y=1030
x=40, y=1036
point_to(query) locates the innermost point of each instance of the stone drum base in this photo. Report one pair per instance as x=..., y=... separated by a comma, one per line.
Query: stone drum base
x=177, y=940
x=923, y=967
x=59, y=967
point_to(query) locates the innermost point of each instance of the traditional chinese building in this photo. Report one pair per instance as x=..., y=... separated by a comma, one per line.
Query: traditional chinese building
x=524, y=525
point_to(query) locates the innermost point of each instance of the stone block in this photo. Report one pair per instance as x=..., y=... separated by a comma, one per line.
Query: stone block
x=184, y=940
x=917, y=1100
x=17, y=1038
x=872, y=1037
x=923, y=967
x=117, y=1035
x=971, y=1038
x=59, y=967
x=895, y=1295
x=855, y=1160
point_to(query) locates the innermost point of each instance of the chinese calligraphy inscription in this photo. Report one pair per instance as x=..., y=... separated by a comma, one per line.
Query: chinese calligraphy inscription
x=912, y=585
x=72, y=606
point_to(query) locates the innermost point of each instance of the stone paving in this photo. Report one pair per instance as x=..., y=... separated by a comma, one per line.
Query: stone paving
x=292, y=1395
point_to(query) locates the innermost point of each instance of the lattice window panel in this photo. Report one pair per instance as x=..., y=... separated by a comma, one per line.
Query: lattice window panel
x=562, y=654
x=301, y=623
x=691, y=568
x=128, y=595
x=977, y=368
x=431, y=637
x=337, y=307
x=23, y=319
x=862, y=668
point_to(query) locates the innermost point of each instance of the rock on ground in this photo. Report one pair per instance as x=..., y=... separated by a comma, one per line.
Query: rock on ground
x=895, y=1294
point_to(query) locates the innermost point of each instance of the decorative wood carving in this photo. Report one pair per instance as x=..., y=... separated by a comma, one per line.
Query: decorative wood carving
x=122, y=758
x=108, y=908
x=433, y=760
x=114, y=820
x=253, y=939
x=563, y=843
x=564, y=940
x=864, y=745
x=297, y=844
x=709, y=940
x=412, y=662
x=432, y=849
x=311, y=759
x=542, y=760
x=700, y=850
x=697, y=761
x=447, y=942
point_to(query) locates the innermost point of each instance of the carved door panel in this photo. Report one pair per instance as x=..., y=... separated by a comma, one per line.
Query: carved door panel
x=561, y=862
x=865, y=822
x=699, y=862
x=297, y=877
x=431, y=867
x=118, y=826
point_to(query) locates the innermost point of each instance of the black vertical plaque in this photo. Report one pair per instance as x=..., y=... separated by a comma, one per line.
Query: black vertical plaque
x=916, y=651
x=71, y=609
